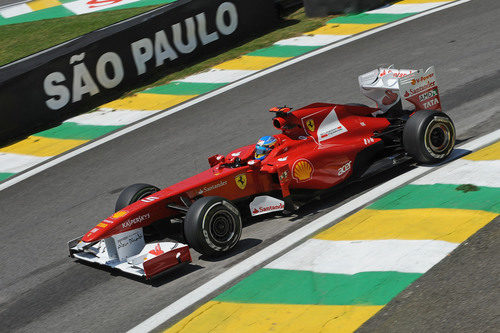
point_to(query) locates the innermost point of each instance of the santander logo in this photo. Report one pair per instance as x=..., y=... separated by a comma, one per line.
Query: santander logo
x=266, y=204
x=266, y=209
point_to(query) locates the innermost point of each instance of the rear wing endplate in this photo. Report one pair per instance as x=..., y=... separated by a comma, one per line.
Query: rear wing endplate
x=407, y=88
x=420, y=90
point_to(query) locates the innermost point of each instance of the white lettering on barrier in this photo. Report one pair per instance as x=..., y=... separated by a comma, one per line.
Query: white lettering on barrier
x=202, y=30
x=61, y=94
x=143, y=50
x=229, y=9
x=115, y=61
x=163, y=50
x=83, y=83
x=190, y=36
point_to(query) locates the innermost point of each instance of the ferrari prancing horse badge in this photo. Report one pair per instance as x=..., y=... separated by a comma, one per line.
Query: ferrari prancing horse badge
x=310, y=125
x=241, y=181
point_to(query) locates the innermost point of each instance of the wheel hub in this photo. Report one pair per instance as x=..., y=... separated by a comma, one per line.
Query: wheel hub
x=439, y=138
x=221, y=226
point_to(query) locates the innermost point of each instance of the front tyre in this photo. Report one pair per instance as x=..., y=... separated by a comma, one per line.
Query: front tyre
x=134, y=193
x=429, y=136
x=212, y=226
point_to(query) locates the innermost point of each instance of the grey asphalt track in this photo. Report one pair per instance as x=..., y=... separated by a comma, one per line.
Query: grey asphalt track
x=460, y=294
x=41, y=288
x=4, y=3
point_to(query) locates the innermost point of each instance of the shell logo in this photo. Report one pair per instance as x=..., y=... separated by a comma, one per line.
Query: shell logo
x=120, y=213
x=302, y=170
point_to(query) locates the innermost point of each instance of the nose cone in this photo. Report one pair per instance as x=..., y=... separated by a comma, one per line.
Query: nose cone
x=121, y=221
x=99, y=231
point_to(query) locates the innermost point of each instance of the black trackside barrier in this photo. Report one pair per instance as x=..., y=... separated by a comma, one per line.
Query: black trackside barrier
x=319, y=8
x=88, y=71
x=287, y=6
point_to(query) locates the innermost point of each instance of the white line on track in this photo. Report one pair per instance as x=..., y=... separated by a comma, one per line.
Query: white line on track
x=369, y=255
x=13, y=4
x=286, y=242
x=66, y=156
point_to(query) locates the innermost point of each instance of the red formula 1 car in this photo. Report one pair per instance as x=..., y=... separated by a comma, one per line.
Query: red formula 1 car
x=320, y=147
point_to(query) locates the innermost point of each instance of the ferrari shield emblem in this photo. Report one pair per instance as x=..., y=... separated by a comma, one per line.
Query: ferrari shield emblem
x=310, y=125
x=241, y=181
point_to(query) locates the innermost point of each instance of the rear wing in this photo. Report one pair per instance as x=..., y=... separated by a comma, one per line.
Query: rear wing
x=408, y=89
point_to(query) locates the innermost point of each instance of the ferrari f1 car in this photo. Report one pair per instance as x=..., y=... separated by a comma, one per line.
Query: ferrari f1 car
x=319, y=147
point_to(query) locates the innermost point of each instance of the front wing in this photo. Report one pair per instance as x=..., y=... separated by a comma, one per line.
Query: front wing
x=146, y=260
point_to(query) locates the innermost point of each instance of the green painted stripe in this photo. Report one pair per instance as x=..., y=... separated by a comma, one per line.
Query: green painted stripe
x=43, y=14
x=5, y=175
x=276, y=286
x=364, y=18
x=76, y=131
x=441, y=196
x=138, y=4
x=282, y=51
x=184, y=88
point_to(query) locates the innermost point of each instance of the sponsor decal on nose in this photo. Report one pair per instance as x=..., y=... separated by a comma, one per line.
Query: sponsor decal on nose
x=139, y=219
x=119, y=214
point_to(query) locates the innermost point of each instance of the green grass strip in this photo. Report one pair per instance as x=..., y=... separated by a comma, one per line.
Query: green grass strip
x=369, y=18
x=43, y=14
x=39, y=35
x=276, y=286
x=76, y=131
x=5, y=175
x=441, y=196
x=282, y=51
x=184, y=88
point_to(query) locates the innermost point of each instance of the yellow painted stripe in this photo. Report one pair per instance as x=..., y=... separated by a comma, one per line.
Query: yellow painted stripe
x=42, y=4
x=237, y=317
x=343, y=29
x=451, y=225
x=39, y=146
x=149, y=102
x=489, y=153
x=251, y=63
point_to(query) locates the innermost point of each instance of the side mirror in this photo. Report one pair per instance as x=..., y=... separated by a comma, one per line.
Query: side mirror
x=254, y=164
x=216, y=159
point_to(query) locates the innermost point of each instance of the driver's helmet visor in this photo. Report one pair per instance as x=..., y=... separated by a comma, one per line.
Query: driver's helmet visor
x=261, y=151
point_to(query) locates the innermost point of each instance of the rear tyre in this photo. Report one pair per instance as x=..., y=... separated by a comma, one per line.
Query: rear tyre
x=429, y=136
x=212, y=226
x=134, y=193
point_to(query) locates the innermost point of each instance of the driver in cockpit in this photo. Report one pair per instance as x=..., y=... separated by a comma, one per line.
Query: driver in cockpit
x=264, y=146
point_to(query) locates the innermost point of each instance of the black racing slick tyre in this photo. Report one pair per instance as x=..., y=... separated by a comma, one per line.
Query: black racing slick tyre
x=134, y=193
x=212, y=226
x=429, y=136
